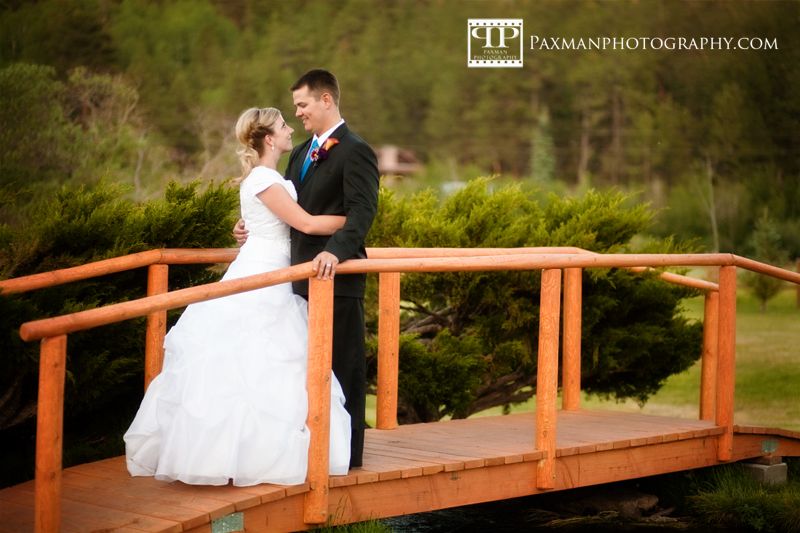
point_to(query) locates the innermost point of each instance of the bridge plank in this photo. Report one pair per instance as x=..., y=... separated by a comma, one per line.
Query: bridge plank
x=80, y=517
x=406, y=459
x=439, y=460
x=450, y=461
x=114, y=470
x=138, y=504
x=15, y=517
x=86, y=476
x=463, y=441
x=343, y=481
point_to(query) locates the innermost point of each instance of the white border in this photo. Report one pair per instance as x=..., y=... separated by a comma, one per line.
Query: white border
x=495, y=63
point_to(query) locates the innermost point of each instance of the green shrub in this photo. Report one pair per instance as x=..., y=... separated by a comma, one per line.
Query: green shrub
x=76, y=226
x=733, y=499
x=369, y=526
x=470, y=339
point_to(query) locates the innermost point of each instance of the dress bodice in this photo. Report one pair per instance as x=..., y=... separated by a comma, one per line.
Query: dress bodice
x=258, y=219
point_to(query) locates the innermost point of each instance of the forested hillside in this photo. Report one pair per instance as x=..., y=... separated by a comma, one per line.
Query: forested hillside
x=141, y=91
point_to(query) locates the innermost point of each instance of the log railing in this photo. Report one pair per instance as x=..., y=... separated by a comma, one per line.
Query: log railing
x=717, y=382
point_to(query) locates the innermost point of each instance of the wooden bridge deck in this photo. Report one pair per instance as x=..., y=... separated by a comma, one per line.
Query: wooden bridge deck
x=414, y=468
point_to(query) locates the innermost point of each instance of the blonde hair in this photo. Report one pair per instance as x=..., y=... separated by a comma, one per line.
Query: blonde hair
x=252, y=127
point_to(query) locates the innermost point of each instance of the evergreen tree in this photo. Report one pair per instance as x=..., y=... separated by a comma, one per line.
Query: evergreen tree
x=766, y=243
x=75, y=226
x=87, y=128
x=469, y=339
x=36, y=137
x=60, y=33
x=542, y=150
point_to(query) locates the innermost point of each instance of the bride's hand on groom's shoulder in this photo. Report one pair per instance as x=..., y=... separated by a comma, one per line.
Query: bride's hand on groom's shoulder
x=239, y=232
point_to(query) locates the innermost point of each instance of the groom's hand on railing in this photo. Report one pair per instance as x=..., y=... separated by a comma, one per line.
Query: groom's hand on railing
x=325, y=265
x=239, y=232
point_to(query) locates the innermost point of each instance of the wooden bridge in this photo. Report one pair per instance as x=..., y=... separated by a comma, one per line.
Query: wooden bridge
x=407, y=469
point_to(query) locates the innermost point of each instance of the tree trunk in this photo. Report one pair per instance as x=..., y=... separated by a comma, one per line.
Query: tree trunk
x=585, y=150
x=616, y=135
x=712, y=205
x=137, y=180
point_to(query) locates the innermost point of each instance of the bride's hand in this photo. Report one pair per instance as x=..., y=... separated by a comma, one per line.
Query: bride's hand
x=240, y=233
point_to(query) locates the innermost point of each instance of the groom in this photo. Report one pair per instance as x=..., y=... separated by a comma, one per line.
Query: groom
x=336, y=173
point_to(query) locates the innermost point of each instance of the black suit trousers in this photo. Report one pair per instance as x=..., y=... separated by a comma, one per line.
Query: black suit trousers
x=350, y=366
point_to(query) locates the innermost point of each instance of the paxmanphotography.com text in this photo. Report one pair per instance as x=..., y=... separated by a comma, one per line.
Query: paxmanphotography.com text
x=652, y=43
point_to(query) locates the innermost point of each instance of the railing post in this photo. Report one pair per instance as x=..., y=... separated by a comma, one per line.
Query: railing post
x=547, y=377
x=388, y=348
x=708, y=369
x=726, y=360
x=49, y=434
x=571, y=371
x=157, y=283
x=320, y=352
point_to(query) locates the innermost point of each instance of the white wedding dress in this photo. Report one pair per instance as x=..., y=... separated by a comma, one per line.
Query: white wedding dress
x=231, y=401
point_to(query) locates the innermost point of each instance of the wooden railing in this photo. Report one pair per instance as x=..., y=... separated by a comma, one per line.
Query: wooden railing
x=717, y=381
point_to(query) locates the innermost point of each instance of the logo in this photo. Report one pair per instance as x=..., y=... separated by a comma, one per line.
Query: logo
x=494, y=43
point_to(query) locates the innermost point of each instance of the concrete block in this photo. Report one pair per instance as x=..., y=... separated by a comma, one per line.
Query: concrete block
x=768, y=474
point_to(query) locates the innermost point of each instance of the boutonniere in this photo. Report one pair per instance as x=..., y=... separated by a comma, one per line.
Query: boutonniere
x=321, y=154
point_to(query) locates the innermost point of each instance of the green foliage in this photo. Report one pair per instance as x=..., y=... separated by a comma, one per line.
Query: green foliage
x=36, y=134
x=80, y=130
x=460, y=324
x=543, y=160
x=640, y=119
x=454, y=364
x=733, y=499
x=179, y=52
x=766, y=243
x=60, y=33
x=369, y=526
x=79, y=225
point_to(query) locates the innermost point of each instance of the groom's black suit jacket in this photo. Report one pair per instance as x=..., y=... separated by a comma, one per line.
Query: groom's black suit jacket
x=346, y=183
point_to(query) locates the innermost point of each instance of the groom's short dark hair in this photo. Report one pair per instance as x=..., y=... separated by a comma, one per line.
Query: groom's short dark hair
x=319, y=81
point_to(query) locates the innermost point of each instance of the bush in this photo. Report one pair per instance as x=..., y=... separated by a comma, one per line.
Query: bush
x=733, y=499
x=470, y=339
x=74, y=227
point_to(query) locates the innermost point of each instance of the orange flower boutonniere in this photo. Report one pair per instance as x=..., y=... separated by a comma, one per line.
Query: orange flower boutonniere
x=321, y=154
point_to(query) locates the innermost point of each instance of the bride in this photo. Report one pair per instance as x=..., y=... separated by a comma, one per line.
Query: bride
x=230, y=402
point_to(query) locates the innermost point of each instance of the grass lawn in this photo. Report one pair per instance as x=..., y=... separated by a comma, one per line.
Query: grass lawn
x=767, y=370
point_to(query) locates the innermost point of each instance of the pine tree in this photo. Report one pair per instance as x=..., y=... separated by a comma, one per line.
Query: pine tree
x=543, y=161
x=469, y=339
x=74, y=226
x=766, y=243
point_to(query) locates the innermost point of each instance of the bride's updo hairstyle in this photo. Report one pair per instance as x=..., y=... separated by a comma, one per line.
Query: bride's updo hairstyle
x=251, y=128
